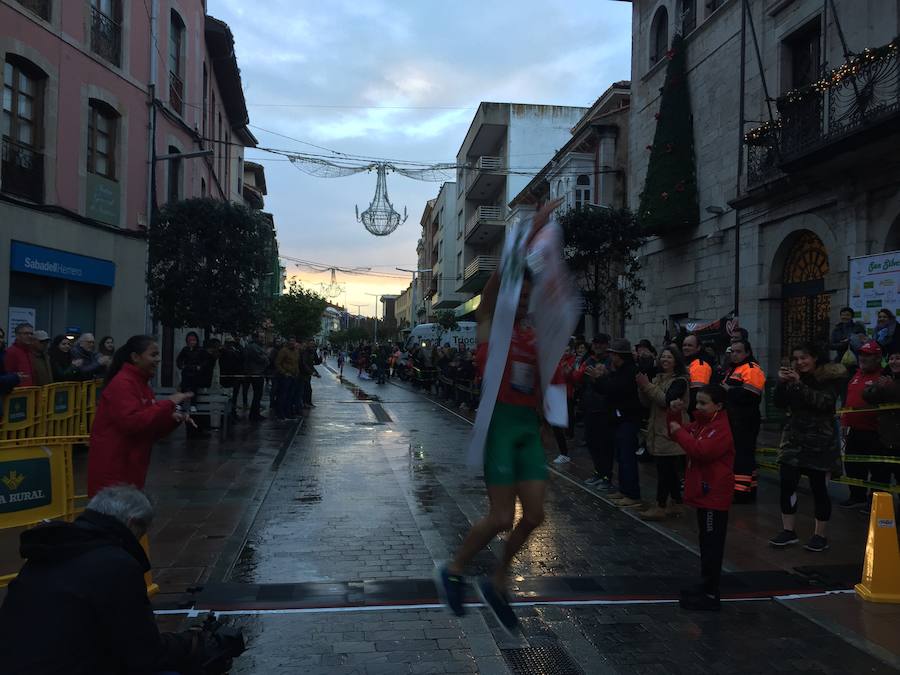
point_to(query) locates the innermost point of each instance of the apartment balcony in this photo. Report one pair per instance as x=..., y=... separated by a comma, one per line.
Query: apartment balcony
x=106, y=37
x=486, y=225
x=478, y=272
x=432, y=286
x=852, y=106
x=485, y=178
x=176, y=93
x=21, y=171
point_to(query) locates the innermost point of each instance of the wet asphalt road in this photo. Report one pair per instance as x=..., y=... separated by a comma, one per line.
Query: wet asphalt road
x=379, y=490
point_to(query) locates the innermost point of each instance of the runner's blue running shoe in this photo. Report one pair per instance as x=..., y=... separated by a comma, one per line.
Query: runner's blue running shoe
x=451, y=589
x=498, y=603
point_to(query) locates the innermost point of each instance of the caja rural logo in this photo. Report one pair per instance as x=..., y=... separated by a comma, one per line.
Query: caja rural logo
x=13, y=480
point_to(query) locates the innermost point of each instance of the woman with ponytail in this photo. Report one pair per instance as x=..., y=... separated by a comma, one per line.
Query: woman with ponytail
x=129, y=419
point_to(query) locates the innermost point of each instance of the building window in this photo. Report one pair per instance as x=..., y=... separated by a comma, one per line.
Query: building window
x=459, y=268
x=39, y=7
x=202, y=187
x=101, y=146
x=173, y=189
x=106, y=30
x=23, y=129
x=659, y=35
x=688, y=16
x=459, y=224
x=176, y=62
x=713, y=5
x=227, y=165
x=221, y=155
x=582, y=191
x=805, y=55
x=240, y=175
x=205, y=101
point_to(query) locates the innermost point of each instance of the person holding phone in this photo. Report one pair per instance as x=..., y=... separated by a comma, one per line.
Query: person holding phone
x=809, y=389
x=129, y=418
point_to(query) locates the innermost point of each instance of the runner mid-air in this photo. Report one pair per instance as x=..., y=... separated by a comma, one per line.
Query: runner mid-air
x=514, y=461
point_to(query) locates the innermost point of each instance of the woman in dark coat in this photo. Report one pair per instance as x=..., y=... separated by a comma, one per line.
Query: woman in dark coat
x=809, y=390
x=64, y=370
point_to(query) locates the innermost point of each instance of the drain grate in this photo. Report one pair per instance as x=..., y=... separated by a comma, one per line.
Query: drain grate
x=547, y=659
x=380, y=413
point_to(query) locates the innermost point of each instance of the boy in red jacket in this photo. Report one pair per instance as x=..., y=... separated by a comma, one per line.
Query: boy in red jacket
x=708, y=485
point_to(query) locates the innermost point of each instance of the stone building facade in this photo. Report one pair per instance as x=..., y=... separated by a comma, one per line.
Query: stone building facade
x=802, y=193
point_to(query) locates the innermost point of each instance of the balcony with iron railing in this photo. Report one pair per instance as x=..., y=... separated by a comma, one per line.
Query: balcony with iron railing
x=176, y=93
x=21, y=171
x=478, y=272
x=485, y=177
x=106, y=37
x=486, y=225
x=39, y=7
x=848, y=107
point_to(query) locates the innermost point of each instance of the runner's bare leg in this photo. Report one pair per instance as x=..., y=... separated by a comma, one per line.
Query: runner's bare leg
x=499, y=519
x=531, y=494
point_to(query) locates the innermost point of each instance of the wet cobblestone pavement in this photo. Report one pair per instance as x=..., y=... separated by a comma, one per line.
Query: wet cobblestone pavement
x=376, y=489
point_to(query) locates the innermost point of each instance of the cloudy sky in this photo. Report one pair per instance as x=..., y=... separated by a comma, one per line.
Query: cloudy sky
x=399, y=79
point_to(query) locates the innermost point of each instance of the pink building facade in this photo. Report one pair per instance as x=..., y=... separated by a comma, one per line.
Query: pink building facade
x=85, y=85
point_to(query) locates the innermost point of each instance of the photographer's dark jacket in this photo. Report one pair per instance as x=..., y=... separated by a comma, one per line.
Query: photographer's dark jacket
x=809, y=439
x=79, y=605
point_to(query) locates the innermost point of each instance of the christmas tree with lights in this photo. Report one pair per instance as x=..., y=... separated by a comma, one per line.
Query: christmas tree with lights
x=669, y=200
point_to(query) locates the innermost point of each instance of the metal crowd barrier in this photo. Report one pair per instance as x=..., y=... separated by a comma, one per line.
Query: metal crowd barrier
x=59, y=409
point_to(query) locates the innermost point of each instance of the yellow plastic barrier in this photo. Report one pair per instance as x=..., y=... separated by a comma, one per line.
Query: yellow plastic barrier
x=881, y=568
x=90, y=395
x=22, y=412
x=62, y=409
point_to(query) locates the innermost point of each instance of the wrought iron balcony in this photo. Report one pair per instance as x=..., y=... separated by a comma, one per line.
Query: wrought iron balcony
x=176, y=93
x=763, y=158
x=106, y=37
x=22, y=171
x=848, y=106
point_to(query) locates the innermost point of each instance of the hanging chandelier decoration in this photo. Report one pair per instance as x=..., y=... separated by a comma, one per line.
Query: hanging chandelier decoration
x=334, y=289
x=380, y=218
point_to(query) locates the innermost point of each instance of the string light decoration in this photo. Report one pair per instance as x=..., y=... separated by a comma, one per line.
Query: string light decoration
x=852, y=68
x=380, y=218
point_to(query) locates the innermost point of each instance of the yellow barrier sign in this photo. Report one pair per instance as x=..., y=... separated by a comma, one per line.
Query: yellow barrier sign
x=33, y=484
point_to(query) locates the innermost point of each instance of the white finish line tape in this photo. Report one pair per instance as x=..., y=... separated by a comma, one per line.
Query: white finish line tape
x=192, y=612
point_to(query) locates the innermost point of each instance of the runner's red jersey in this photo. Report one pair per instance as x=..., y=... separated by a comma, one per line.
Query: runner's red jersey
x=520, y=382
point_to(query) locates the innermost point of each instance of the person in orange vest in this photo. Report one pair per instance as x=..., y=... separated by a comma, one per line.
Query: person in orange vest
x=744, y=383
x=699, y=369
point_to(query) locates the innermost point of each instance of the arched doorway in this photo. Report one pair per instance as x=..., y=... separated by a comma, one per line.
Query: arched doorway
x=806, y=307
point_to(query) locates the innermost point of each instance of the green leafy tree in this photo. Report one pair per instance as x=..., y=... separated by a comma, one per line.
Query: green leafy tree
x=298, y=311
x=447, y=320
x=601, y=247
x=207, y=261
x=669, y=200
x=348, y=336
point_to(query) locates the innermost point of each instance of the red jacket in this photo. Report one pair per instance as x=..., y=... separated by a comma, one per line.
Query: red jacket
x=18, y=360
x=129, y=420
x=861, y=421
x=709, y=478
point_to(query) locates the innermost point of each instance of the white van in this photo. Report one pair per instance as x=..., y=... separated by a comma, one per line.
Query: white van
x=431, y=334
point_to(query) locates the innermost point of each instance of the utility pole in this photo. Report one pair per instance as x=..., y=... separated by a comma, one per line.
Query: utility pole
x=375, y=327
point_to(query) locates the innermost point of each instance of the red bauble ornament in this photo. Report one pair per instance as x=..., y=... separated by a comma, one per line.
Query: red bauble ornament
x=670, y=54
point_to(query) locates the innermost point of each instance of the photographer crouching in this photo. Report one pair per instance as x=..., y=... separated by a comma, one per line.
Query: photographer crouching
x=79, y=605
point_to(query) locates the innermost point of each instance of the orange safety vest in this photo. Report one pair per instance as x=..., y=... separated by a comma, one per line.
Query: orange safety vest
x=749, y=376
x=700, y=373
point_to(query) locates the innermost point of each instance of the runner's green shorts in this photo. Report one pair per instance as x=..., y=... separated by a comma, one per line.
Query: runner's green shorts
x=513, y=451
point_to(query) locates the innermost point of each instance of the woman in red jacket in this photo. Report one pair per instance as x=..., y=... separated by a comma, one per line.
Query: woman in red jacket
x=129, y=419
x=708, y=486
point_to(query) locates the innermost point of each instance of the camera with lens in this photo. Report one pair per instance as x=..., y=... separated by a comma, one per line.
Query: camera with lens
x=215, y=645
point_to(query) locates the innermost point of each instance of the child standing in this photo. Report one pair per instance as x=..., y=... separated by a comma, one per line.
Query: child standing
x=708, y=486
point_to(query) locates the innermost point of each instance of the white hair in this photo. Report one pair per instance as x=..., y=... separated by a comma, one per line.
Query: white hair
x=126, y=504
x=85, y=336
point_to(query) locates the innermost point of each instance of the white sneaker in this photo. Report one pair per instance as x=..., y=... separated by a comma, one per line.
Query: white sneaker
x=562, y=459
